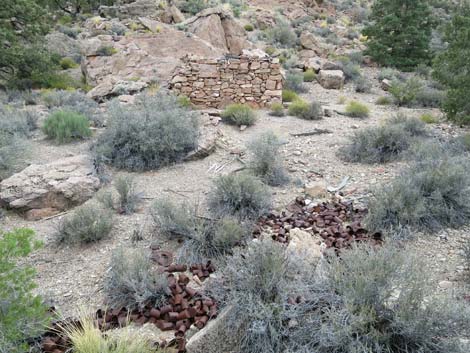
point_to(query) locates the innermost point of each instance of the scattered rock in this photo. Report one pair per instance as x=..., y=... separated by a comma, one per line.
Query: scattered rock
x=308, y=40
x=304, y=242
x=386, y=84
x=331, y=79
x=59, y=185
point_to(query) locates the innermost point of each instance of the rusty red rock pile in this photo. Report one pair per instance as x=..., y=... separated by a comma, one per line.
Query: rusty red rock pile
x=185, y=307
x=337, y=222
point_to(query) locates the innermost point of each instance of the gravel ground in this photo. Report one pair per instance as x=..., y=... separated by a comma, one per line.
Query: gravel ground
x=72, y=277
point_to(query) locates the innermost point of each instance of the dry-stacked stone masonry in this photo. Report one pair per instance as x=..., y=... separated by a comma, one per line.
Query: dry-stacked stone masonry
x=218, y=82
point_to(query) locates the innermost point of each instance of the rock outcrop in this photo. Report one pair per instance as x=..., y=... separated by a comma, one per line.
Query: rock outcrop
x=58, y=186
x=219, y=28
x=139, y=58
x=219, y=82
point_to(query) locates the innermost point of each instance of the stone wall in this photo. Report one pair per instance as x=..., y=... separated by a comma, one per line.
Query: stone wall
x=219, y=82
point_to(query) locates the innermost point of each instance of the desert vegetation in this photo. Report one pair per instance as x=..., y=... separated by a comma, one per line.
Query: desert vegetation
x=221, y=176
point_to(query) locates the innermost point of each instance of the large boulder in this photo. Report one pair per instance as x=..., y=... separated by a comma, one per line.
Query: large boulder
x=172, y=15
x=331, y=79
x=219, y=28
x=308, y=40
x=59, y=185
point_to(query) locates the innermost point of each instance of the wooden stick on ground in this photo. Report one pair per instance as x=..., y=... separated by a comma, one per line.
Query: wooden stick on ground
x=314, y=132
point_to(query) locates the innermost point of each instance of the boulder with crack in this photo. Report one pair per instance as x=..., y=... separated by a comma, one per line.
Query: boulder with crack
x=55, y=186
x=218, y=27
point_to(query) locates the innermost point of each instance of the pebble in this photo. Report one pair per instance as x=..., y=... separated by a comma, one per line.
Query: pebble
x=445, y=284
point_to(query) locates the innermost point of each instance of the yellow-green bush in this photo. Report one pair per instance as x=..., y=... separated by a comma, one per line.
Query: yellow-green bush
x=357, y=110
x=289, y=96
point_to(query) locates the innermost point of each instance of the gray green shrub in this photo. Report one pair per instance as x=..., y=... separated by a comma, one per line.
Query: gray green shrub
x=357, y=110
x=88, y=223
x=153, y=133
x=277, y=109
x=266, y=161
x=173, y=221
x=132, y=281
x=239, y=195
x=384, y=143
x=295, y=82
x=128, y=196
x=431, y=194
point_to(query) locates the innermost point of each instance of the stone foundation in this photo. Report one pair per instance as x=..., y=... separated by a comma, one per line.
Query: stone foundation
x=219, y=82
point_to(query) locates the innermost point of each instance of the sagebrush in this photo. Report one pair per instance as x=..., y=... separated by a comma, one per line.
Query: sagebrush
x=266, y=161
x=238, y=114
x=239, y=195
x=87, y=224
x=132, y=282
x=153, y=133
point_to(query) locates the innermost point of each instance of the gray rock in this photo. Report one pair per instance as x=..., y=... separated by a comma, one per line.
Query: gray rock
x=331, y=79
x=58, y=185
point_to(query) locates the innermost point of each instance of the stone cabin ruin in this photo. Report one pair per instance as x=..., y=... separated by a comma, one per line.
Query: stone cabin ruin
x=215, y=83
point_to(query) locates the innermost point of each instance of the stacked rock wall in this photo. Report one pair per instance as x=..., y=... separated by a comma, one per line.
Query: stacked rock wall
x=219, y=82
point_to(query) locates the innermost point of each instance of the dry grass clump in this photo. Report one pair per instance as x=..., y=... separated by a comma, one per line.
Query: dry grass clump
x=432, y=194
x=88, y=223
x=88, y=338
x=384, y=143
x=266, y=161
x=155, y=132
x=132, y=281
x=239, y=195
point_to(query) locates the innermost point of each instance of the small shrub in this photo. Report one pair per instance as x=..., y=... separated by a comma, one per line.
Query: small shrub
x=193, y=6
x=405, y=93
x=277, y=109
x=266, y=162
x=429, y=118
x=173, y=220
x=432, y=194
x=239, y=114
x=87, y=224
x=154, y=132
x=23, y=313
x=282, y=35
x=357, y=110
x=464, y=141
x=384, y=100
x=307, y=111
x=351, y=70
x=184, y=101
x=382, y=300
x=249, y=27
x=212, y=240
x=239, y=195
x=309, y=75
x=129, y=197
x=88, y=338
x=67, y=63
x=65, y=126
x=342, y=100
x=133, y=283
x=13, y=150
x=389, y=74
x=295, y=82
x=429, y=97
x=384, y=143
x=362, y=85
x=75, y=101
x=289, y=95
x=106, y=50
